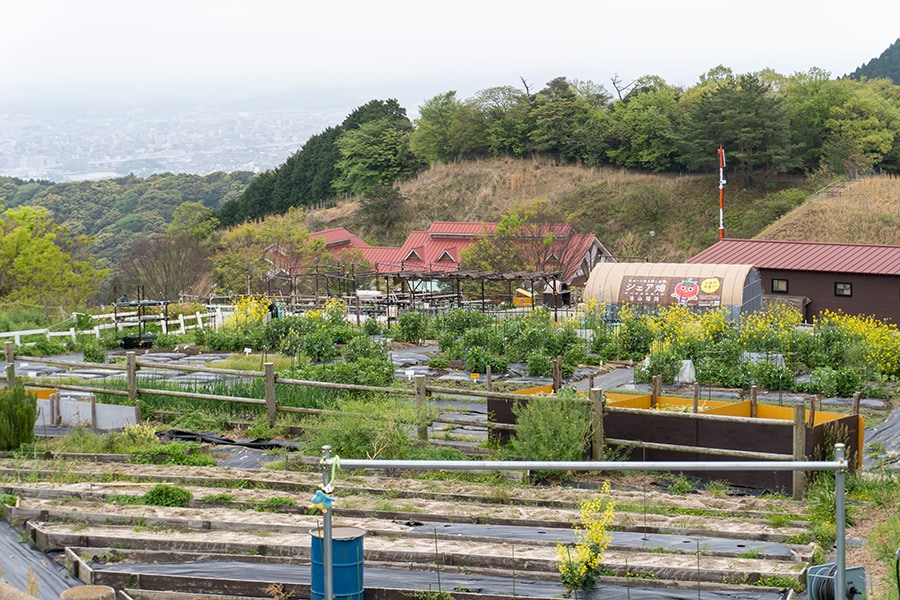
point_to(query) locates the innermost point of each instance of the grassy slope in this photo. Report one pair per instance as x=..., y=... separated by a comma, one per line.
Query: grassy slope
x=621, y=207
x=866, y=211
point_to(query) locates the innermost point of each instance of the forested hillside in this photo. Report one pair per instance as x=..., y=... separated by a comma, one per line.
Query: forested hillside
x=886, y=66
x=113, y=211
x=770, y=125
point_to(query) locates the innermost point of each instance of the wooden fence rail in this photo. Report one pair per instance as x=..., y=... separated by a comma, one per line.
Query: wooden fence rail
x=420, y=392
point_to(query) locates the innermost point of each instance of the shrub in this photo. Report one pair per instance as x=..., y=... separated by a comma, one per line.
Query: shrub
x=92, y=352
x=165, y=341
x=166, y=495
x=18, y=414
x=376, y=371
x=834, y=382
x=661, y=362
x=42, y=347
x=768, y=375
x=539, y=364
x=485, y=337
x=634, y=334
x=371, y=327
x=364, y=429
x=363, y=346
x=318, y=346
x=438, y=362
x=412, y=327
x=550, y=428
x=458, y=321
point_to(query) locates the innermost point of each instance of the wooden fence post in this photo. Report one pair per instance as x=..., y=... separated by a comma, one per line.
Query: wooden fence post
x=696, y=397
x=422, y=428
x=856, y=397
x=596, y=397
x=753, y=393
x=10, y=351
x=54, y=409
x=271, y=412
x=557, y=374
x=487, y=375
x=131, y=376
x=799, y=477
x=654, y=390
x=813, y=404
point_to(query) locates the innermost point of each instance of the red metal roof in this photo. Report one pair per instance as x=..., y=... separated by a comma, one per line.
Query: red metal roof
x=476, y=228
x=440, y=247
x=804, y=256
x=339, y=237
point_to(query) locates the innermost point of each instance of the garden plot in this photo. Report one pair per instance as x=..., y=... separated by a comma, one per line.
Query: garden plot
x=484, y=538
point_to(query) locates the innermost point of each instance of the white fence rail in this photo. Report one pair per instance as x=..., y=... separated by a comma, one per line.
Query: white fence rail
x=180, y=324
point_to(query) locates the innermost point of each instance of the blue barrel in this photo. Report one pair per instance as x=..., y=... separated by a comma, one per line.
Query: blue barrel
x=346, y=563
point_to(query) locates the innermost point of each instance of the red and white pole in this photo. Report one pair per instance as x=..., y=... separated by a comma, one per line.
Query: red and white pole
x=721, y=192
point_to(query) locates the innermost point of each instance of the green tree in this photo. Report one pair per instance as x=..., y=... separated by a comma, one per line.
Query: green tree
x=527, y=238
x=448, y=129
x=40, y=263
x=567, y=125
x=506, y=114
x=748, y=119
x=192, y=220
x=382, y=207
x=642, y=126
x=250, y=252
x=862, y=131
x=375, y=153
x=810, y=98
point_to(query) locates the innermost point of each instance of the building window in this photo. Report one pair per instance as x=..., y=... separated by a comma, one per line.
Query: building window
x=843, y=289
x=779, y=286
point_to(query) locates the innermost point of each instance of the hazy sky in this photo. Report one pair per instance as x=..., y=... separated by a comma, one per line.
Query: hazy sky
x=140, y=50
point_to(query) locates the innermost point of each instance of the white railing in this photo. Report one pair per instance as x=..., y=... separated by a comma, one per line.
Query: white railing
x=180, y=324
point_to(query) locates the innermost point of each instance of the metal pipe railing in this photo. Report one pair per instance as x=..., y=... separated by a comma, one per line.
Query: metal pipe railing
x=839, y=466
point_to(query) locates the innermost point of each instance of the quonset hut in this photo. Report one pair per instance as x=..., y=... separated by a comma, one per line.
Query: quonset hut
x=649, y=286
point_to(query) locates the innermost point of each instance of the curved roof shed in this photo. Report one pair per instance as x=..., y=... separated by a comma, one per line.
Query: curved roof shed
x=736, y=288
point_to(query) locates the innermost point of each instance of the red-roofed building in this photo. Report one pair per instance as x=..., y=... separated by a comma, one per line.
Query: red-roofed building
x=817, y=276
x=440, y=249
x=339, y=239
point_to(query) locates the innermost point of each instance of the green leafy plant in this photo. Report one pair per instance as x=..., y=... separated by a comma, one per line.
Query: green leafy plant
x=174, y=453
x=93, y=352
x=165, y=341
x=274, y=504
x=166, y=495
x=438, y=362
x=679, y=484
x=412, y=327
x=18, y=414
x=550, y=428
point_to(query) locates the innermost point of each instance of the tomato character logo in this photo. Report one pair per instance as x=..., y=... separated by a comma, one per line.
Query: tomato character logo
x=686, y=291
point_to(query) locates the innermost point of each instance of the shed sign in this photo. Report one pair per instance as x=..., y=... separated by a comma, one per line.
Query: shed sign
x=700, y=292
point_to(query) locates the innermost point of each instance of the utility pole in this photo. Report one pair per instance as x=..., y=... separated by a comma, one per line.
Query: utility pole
x=721, y=192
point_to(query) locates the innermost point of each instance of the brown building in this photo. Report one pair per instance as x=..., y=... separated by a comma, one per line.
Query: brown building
x=815, y=276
